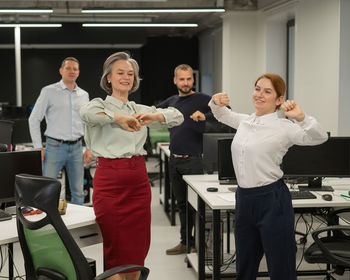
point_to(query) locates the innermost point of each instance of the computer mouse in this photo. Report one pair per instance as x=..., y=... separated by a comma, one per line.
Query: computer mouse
x=212, y=189
x=327, y=197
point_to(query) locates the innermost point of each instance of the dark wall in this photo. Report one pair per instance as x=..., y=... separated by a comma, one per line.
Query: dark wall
x=159, y=57
x=40, y=67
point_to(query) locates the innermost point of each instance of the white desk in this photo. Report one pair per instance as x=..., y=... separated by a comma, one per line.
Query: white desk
x=198, y=197
x=166, y=196
x=80, y=220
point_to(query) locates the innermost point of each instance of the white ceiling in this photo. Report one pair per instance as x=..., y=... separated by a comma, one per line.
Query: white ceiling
x=70, y=11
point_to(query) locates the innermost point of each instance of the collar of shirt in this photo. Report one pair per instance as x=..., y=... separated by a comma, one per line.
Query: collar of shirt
x=63, y=86
x=264, y=119
x=118, y=103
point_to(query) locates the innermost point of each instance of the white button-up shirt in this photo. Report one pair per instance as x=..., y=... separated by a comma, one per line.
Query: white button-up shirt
x=262, y=141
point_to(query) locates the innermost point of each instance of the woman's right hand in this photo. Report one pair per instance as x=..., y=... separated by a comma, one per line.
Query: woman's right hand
x=127, y=123
x=221, y=99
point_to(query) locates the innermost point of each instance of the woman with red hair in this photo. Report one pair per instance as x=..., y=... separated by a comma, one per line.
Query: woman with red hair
x=264, y=216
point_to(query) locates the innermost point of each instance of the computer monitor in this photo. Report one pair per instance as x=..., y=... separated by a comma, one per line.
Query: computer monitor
x=21, y=132
x=210, y=150
x=6, y=129
x=330, y=159
x=12, y=163
x=226, y=171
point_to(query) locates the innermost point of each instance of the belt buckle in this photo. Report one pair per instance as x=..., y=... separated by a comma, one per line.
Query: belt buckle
x=180, y=156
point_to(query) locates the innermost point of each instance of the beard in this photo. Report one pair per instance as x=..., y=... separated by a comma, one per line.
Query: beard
x=185, y=90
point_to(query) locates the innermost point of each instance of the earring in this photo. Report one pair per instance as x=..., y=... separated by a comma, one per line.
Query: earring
x=109, y=81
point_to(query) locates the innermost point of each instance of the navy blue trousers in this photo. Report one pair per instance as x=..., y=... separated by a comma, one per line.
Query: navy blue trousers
x=265, y=225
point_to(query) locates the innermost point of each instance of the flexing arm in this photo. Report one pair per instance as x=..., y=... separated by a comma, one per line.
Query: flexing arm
x=309, y=131
x=223, y=114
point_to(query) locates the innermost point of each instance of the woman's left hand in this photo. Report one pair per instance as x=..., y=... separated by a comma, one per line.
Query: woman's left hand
x=147, y=118
x=292, y=110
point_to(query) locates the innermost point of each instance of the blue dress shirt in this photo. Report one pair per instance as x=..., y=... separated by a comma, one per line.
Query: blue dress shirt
x=60, y=106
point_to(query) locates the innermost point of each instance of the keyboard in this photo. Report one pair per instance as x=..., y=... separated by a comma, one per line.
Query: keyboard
x=302, y=195
x=4, y=216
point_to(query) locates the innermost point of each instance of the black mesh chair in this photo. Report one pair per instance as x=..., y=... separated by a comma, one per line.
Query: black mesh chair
x=334, y=247
x=49, y=250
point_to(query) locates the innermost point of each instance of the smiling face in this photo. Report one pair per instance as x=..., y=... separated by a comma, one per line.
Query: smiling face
x=121, y=77
x=184, y=81
x=265, y=98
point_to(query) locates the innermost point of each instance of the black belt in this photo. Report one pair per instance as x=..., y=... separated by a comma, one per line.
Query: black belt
x=66, y=141
x=182, y=156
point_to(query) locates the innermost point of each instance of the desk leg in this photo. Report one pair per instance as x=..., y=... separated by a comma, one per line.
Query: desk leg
x=168, y=193
x=172, y=207
x=228, y=231
x=160, y=173
x=10, y=254
x=166, y=185
x=216, y=245
x=200, y=221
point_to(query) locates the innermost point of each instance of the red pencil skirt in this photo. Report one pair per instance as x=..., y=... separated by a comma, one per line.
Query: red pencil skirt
x=121, y=201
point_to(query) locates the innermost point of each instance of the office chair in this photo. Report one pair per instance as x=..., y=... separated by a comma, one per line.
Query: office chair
x=333, y=249
x=49, y=250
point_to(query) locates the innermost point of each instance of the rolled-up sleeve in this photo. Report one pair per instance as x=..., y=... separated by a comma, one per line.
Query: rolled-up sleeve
x=89, y=113
x=173, y=117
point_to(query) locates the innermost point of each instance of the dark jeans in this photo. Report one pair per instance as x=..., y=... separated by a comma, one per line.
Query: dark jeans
x=177, y=168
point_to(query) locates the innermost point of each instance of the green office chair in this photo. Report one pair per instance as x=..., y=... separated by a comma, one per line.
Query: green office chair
x=49, y=250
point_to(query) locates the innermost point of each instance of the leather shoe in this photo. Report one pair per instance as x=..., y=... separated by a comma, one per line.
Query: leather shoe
x=177, y=250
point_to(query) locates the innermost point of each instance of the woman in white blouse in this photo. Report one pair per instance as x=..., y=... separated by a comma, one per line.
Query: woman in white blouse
x=264, y=214
x=115, y=133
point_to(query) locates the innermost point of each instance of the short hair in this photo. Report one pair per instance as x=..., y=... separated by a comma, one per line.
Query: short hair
x=277, y=82
x=107, y=69
x=184, y=67
x=69, y=58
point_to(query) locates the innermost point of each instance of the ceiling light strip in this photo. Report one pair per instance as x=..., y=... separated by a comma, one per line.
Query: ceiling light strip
x=31, y=25
x=126, y=11
x=25, y=11
x=140, y=25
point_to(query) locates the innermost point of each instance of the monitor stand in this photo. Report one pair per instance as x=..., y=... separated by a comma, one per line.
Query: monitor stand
x=228, y=181
x=315, y=184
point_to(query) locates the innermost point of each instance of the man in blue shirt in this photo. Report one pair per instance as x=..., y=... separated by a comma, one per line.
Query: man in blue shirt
x=60, y=103
x=186, y=144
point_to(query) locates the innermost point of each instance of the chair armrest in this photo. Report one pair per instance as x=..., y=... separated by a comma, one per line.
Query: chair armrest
x=122, y=268
x=333, y=258
x=333, y=216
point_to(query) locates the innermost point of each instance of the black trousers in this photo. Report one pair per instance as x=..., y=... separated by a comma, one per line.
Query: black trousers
x=265, y=224
x=177, y=168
